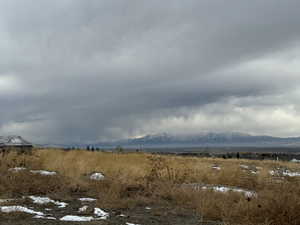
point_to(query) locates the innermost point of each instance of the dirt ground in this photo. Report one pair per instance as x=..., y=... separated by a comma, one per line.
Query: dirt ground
x=154, y=215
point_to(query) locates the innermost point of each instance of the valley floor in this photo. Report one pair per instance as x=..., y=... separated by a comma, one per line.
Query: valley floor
x=79, y=187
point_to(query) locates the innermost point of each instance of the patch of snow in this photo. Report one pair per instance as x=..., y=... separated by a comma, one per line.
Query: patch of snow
x=43, y=172
x=77, y=218
x=83, y=208
x=100, y=213
x=10, y=209
x=295, y=160
x=216, y=167
x=97, y=176
x=272, y=172
x=291, y=174
x=44, y=217
x=220, y=188
x=122, y=215
x=131, y=224
x=147, y=208
x=87, y=199
x=17, y=169
x=233, y=189
x=46, y=200
x=284, y=173
x=244, y=166
x=252, y=169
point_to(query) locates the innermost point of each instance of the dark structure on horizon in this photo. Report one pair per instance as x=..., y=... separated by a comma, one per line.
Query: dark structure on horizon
x=16, y=143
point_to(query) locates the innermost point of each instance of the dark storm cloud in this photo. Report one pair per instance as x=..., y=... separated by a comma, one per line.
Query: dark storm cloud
x=91, y=70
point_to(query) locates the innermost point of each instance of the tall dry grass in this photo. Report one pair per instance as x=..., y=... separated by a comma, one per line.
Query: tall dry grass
x=138, y=179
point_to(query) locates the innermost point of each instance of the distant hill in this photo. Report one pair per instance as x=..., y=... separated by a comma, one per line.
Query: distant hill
x=200, y=140
x=204, y=139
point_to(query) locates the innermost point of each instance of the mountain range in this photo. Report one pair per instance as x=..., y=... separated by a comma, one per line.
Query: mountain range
x=204, y=139
x=209, y=139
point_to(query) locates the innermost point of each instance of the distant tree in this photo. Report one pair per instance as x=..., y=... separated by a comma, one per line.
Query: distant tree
x=237, y=155
x=88, y=148
x=229, y=156
x=119, y=149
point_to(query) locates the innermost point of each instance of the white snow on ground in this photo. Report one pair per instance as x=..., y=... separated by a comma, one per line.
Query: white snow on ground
x=272, y=172
x=17, y=169
x=251, y=169
x=295, y=160
x=147, y=208
x=244, y=166
x=46, y=200
x=10, y=209
x=220, y=188
x=291, y=174
x=284, y=173
x=77, y=218
x=216, y=167
x=43, y=172
x=228, y=189
x=100, y=213
x=83, y=208
x=131, y=224
x=97, y=176
x=44, y=217
x=87, y=199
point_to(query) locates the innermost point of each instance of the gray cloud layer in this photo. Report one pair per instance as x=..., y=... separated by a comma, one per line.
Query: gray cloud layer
x=80, y=70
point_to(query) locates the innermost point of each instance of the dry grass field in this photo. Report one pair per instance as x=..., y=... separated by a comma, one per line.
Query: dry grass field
x=213, y=189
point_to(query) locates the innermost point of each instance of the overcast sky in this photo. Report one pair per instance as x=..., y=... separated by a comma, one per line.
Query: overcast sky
x=84, y=71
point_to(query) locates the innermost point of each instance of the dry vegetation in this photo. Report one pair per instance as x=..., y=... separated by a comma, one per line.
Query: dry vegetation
x=138, y=179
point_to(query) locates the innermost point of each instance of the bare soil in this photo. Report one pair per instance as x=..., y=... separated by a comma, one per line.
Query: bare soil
x=154, y=215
